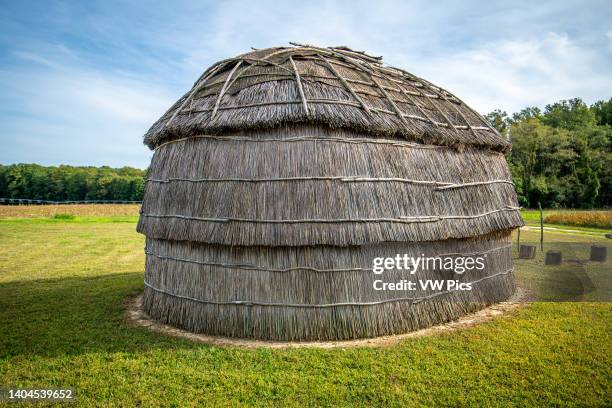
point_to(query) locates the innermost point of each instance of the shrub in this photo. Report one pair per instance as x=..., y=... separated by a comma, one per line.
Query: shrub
x=63, y=217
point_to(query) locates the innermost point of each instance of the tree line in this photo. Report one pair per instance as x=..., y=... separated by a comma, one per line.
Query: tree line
x=561, y=156
x=69, y=183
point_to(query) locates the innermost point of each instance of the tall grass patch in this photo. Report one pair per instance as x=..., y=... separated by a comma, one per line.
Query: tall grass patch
x=595, y=219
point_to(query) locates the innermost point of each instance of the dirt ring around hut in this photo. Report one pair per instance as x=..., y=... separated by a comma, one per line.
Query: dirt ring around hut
x=136, y=316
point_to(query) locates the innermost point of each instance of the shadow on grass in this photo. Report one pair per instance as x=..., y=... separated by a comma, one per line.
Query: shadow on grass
x=73, y=316
x=563, y=284
x=575, y=279
x=83, y=315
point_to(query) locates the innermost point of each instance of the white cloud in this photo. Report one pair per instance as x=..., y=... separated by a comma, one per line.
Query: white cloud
x=479, y=56
x=514, y=74
x=89, y=96
x=62, y=113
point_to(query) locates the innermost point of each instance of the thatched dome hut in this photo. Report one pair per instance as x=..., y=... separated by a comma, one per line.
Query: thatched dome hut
x=280, y=176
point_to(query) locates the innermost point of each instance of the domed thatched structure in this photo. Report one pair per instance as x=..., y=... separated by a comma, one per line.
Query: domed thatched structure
x=284, y=172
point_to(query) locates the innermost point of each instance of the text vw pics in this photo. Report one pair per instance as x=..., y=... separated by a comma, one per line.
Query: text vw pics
x=412, y=265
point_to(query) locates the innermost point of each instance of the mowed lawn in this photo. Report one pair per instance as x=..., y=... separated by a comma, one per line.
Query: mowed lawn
x=62, y=288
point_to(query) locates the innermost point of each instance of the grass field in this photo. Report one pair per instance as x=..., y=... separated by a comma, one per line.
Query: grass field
x=95, y=210
x=62, y=288
x=595, y=221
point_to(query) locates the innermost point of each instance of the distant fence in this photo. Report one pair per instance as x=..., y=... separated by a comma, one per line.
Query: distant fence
x=28, y=201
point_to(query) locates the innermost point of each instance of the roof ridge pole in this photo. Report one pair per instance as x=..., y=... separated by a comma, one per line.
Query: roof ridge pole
x=448, y=121
x=360, y=54
x=260, y=60
x=438, y=95
x=472, y=110
x=450, y=124
x=411, y=99
x=238, y=75
x=331, y=52
x=370, y=72
x=346, y=85
x=437, y=90
x=441, y=94
x=195, y=89
x=299, y=86
x=462, y=117
x=256, y=62
x=223, y=89
x=395, y=107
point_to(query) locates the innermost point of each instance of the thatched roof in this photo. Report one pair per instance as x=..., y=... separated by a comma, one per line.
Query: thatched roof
x=323, y=146
x=334, y=87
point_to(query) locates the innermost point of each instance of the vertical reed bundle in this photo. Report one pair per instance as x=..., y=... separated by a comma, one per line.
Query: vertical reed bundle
x=284, y=172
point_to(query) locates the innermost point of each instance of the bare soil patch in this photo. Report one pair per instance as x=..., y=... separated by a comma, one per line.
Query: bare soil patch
x=136, y=316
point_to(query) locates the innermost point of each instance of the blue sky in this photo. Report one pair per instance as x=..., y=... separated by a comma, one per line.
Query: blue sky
x=81, y=81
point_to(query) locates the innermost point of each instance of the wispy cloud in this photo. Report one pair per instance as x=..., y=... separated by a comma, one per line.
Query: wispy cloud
x=514, y=74
x=81, y=82
x=55, y=112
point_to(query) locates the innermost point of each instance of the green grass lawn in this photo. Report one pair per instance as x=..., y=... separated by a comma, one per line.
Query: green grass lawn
x=62, y=287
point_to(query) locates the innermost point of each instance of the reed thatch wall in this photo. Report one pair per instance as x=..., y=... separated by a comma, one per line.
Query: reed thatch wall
x=313, y=293
x=280, y=176
x=339, y=188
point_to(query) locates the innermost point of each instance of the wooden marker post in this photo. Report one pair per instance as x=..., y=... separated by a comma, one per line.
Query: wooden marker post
x=541, y=227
